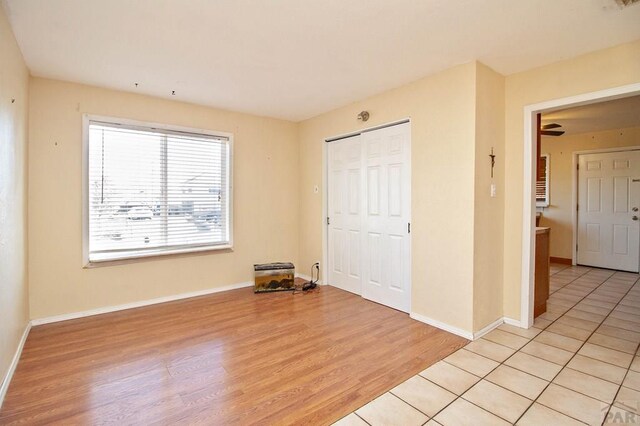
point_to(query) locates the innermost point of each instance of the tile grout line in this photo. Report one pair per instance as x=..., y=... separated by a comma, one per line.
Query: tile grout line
x=357, y=415
x=557, y=347
x=535, y=356
x=618, y=391
x=570, y=282
x=582, y=297
x=628, y=368
x=551, y=323
x=515, y=352
x=578, y=350
x=561, y=265
x=409, y=404
x=518, y=350
x=564, y=365
x=461, y=396
x=452, y=401
x=530, y=340
x=585, y=341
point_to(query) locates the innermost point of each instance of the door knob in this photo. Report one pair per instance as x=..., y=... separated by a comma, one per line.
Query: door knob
x=634, y=218
x=635, y=209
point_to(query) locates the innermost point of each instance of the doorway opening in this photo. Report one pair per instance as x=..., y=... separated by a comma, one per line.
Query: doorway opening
x=532, y=174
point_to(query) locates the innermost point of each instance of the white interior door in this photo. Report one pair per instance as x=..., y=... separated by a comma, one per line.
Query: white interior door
x=345, y=213
x=369, y=207
x=386, y=225
x=608, y=203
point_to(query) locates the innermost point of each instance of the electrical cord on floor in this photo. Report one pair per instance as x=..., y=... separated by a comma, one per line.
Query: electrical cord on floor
x=312, y=285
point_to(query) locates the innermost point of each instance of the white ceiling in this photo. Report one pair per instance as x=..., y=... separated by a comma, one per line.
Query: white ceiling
x=610, y=115
x=294, y=59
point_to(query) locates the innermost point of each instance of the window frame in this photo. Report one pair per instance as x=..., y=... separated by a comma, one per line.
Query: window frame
x=86, y=121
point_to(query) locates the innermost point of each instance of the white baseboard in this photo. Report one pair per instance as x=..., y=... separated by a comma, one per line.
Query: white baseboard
x=107, y=309
x=304, y=277
x=510, y=321
x=446, y=327
x=497, y=323
x=307, y=278
x=463, y=333
x=6, y=380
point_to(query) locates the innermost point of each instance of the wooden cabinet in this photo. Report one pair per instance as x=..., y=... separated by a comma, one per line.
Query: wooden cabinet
x=541, y=272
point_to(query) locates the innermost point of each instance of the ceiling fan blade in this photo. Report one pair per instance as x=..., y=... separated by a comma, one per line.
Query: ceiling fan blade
x=552, y=132
x=551, y=126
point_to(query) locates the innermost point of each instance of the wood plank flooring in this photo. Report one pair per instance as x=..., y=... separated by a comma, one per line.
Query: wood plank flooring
x=228, y=358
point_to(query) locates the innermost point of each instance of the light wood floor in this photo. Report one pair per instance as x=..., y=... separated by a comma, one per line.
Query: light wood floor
x=228, y=358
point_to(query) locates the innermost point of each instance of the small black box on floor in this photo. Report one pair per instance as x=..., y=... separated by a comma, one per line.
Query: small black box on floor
x=276, y=276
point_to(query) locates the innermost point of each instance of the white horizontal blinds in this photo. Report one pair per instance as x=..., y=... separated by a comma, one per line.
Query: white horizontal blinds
x=154, y=190
x=541, y=184
x=196, y=183
x=541, y=191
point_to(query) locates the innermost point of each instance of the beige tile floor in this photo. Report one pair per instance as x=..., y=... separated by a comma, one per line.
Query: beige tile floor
x=578, y=364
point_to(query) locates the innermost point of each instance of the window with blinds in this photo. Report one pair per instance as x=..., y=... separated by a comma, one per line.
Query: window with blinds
x=542, y=184
x=155, y=191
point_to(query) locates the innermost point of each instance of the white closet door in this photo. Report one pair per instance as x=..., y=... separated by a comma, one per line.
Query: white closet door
x=387, y=244
x=345, y=214
x=609, y=203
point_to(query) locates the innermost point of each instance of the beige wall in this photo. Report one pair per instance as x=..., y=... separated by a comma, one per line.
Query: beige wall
x=442, y=112
x=489, y=212
x=599, y=70
x=558, y=215
x=466, y=246
x=14, y=83
x=452, y=120
x=265, y=201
